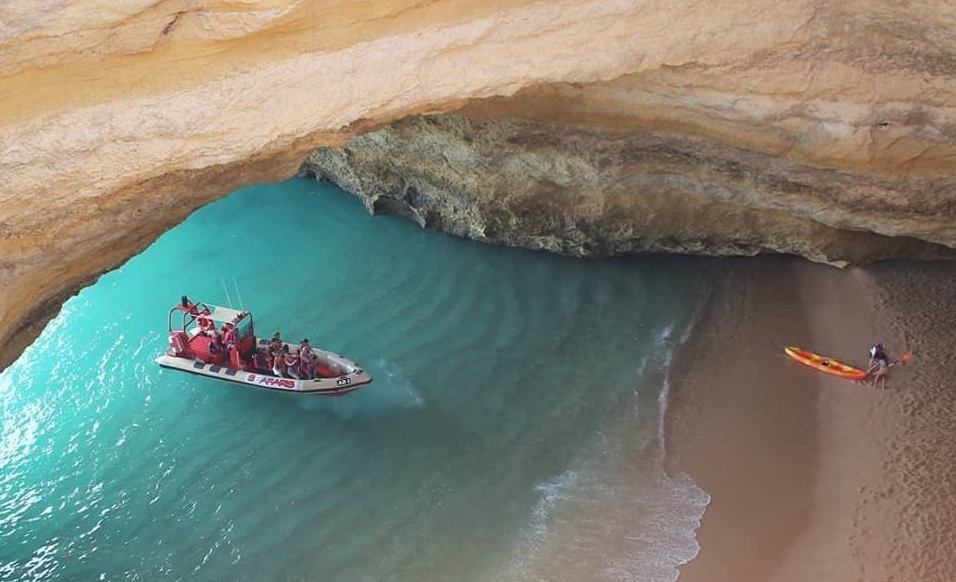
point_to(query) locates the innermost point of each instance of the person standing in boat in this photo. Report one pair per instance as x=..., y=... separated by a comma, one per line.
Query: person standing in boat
x=276, y=344
x=305, y=348
x=306, y=360
x=291, y=362
x=306, y=366
x=279, y=367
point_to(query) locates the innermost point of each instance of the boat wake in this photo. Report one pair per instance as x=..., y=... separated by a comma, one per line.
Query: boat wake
x=396, y=388
x=393, y=390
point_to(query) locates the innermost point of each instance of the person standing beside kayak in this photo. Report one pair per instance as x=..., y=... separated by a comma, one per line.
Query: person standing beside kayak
x=878, y=352
x=879, y=366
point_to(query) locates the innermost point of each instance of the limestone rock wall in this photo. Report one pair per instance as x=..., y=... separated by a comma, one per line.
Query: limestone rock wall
x=118, y=119
x=588, y=192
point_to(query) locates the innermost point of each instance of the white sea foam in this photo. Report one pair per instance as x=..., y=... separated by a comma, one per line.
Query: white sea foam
x=664, y=334
x=624, y=521
x=620, y=528
x=677, y=511
x=664, y=394
x=398, y=384
x=694, y=500
x=665, y=510
x=551, y=492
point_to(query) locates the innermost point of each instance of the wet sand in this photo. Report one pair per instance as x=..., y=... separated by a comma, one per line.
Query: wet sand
x=813, y=477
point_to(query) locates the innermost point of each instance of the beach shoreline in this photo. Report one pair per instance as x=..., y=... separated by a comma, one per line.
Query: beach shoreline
x=813, y=477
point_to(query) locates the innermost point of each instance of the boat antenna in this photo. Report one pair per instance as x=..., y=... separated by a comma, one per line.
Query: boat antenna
x=228, y=299
x=238, y=296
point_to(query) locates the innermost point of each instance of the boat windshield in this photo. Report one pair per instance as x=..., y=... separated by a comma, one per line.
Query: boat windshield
x=244, y=327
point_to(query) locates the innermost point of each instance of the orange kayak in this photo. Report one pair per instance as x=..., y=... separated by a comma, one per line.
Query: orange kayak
x=825, y=363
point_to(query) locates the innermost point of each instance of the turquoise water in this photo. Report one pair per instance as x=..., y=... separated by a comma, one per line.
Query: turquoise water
x=511, y=432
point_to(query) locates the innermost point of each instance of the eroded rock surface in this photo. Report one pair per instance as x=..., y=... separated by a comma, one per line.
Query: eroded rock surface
x=590, y=192
x=116, y=123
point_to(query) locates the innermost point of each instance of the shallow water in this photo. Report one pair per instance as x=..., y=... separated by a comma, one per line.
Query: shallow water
x=511, y=432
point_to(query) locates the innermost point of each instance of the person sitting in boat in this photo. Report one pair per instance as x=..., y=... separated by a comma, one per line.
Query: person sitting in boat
x=206, y=326
x=279, y=367
x=215, y=345
x=291, y=362
x=306, y=365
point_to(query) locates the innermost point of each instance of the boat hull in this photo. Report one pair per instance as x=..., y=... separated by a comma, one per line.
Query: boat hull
x=318, y=387
x=825, y=364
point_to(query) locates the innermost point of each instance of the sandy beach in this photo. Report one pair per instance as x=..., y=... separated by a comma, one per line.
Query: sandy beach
x=812, y=477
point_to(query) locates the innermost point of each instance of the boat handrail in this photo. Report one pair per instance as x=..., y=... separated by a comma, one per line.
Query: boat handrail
x=197, y=310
